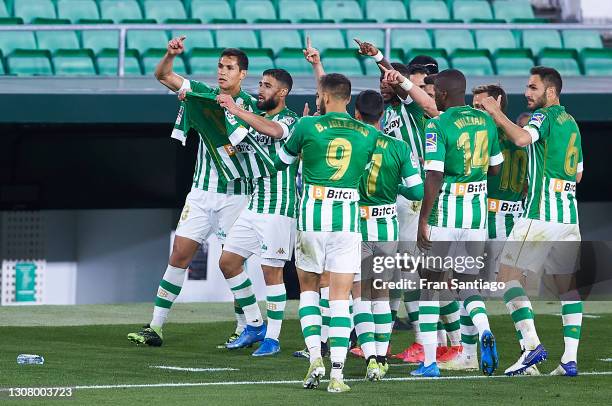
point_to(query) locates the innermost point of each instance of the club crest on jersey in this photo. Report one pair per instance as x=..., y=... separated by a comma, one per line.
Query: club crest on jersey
x=537, y=119
x=229, y=148
x=431, y=142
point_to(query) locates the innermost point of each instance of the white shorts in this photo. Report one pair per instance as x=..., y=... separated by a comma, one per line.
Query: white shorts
x=461, y=247
x=208, y=212
x=269, y=236
x=318, y=251
x=408, y=219
x=533, y=244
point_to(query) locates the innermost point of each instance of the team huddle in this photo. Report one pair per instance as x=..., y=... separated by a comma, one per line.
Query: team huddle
x=415, y=171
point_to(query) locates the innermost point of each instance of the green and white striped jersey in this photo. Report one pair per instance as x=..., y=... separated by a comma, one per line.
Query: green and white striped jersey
x=391, y=165
x=505, y=190
x=335, y=151
x=555, y=157
x=276, y=194
x=406, y=122
x=462, y=143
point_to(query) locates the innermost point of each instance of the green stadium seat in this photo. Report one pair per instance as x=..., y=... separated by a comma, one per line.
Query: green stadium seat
x=252, y=10
x=11, y=40
x=470, y=9
x=31, y=9
x=408, y=39
x=11, y=20
x=427, y=10
x=236, y=39
x=3, y=13
x=29, y=62
x=339, y=10
x=208, y=10
x=563, y=60
x=296, y=10
x=513, y=62
x=72, y=62
x=512, y=9
x=99, y=40
x=597, y=61
x=54, y=40
x=162, y=10
x=279, y=39
x=141, y=40
x=118, y=10
x=383, y=10
x=539, y=39
x=494, y=39
x=200, y=38
x=108, y=59
x=342, y=60
x=376, y=37
x=152, y=56
x=472, y=62
x=453, y=39
x=203, y=61
x=580, y=39
x=324, y=39
x=292, y=60
x=259, y=60
x=76, y=10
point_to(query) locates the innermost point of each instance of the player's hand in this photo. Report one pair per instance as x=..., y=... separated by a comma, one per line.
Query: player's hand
x=492, y=105
x=366, y=48
x=176, y=46
x=182, y=95
x=392, y=77
x=227, y=102
x=311, y=54
x=423, y=241
x=306, y=111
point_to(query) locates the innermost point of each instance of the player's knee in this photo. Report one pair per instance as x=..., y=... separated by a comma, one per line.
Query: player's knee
x=272, y=275
x=230, y=264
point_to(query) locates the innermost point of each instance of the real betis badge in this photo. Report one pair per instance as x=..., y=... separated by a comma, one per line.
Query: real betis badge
x=25, y=282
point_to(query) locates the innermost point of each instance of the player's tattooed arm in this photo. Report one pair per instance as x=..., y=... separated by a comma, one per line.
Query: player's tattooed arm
x=519, y=136
x=313, y=57
x=433, y=183
x=261, y=124
x=164, y=72
x=397, y=80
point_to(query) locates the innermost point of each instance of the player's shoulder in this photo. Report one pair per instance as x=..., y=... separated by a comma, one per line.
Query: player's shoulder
x=538, y=117
x=288, y=117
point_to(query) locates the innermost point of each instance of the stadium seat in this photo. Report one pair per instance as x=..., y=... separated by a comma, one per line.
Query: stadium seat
x=376, y=37
x=118, y=10
x=468, y=10
x=162, y=10
x=11, y=20
x=199, y=38
x=427, y=10
x=141, y=40
x=28, y=62
x=203, y=61
x=208, y=10
x=383, y=10
x=408, y=39
x=279, y=39
x=292, y=60
x=296, y=10
x=76, y=10
x=579, y=39
x=11, y=40
x=99, y=40
x=510, y=10
x=54, y=40
x=472, y=62
x=342, y=60
x=152, y=56
x=108, y=59
x=597, y=61
x=513, y=62
x=339, y=10
x=252, y=10
x=236, y=39
x=453, y=39
x=69, y=62
x=563, y=60
x=494, y=39
x=324, y=39
x=3, y=14
x=260, y=60
x=31, y=9
x=537, y=40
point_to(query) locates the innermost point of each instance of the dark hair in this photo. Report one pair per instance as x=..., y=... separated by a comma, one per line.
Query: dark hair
x=425, y=61
x=451, y=81
x=337, y=84
x=280, y=75
x=417, y=69
x=401, y=68
x=370, y=105
x=550, y=77
x=494, y=91
x=242, y=58
x=430, y=79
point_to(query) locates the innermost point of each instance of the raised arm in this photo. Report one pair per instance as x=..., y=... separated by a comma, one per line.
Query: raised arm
x=313, y=57
x=163, y=71
x=519, y=136
x=262, y=125
x=417, y=94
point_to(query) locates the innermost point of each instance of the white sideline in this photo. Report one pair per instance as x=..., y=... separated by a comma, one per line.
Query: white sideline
x=193, y=369
x=295, y=382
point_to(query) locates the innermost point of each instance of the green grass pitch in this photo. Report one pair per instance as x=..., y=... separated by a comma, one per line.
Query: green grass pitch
x=105, y=369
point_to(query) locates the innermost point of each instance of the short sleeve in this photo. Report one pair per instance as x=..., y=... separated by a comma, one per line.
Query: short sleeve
x=435, y=147
x=408, y=166
x=580, y=167
x=496, y=156
x=538, y=126
x=291, y=149
x=287, y=123
x=195, y=86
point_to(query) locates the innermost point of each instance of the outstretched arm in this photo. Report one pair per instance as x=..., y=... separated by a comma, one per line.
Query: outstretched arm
x=417, y=94
x=260, y=124
x=164, y=72
x=519, y=136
